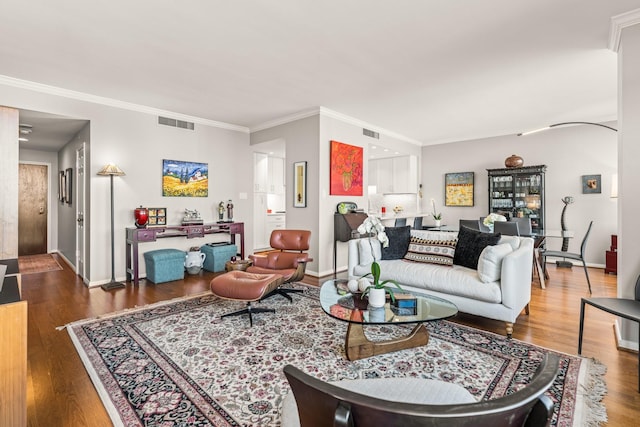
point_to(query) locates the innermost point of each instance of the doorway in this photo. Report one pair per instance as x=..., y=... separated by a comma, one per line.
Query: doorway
x=33, y=208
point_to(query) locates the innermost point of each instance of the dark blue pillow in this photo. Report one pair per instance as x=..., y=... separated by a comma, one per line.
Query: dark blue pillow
x=470, y=245
x=399, y=238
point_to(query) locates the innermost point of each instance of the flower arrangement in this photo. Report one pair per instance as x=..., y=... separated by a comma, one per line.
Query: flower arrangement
x=493, y=217
x=374, y=228
x=436, y=215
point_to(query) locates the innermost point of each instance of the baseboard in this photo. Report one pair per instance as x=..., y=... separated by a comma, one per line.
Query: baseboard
x=623, y=345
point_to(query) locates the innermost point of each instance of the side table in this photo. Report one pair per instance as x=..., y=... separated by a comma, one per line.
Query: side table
x=240, y=265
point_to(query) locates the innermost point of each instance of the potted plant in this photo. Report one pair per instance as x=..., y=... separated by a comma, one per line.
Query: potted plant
x=437, y=216
x=376, y=291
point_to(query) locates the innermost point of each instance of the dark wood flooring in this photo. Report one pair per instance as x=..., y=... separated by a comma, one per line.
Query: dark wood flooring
x=60, y=393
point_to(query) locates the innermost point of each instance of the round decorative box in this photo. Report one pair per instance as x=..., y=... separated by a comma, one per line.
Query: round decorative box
x=514, y=161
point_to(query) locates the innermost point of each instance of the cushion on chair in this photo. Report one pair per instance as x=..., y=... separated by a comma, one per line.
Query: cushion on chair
x=291, y=240
x=244, y=286
x=277, y=260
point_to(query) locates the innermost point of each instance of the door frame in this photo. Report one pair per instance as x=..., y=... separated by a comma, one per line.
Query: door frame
x=49, y=205
x=80, y=181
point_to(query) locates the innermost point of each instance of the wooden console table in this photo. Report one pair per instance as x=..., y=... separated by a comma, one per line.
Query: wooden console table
x=151, y=234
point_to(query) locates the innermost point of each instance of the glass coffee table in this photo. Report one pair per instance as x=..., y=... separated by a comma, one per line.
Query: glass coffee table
x=411, y=307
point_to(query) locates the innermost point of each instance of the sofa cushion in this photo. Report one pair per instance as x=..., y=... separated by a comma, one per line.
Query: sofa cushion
x=490, y=261
x=431, y=251
x=514, y=241
x=454, y=280
x=470, y=245
x=365, y=247
x=398, y=242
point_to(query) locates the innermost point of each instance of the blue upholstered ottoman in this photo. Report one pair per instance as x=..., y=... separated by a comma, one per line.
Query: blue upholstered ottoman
x=164, y=265
x=217, y=256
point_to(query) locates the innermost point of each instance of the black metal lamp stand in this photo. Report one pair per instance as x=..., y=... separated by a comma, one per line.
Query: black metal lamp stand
x=112, y=170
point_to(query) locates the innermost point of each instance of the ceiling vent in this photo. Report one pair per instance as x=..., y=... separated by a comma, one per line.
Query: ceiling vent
x=370, y=133
x=175, y=123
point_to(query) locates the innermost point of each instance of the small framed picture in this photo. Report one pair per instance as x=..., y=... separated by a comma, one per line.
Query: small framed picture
x=591, y=184
x=300, y=185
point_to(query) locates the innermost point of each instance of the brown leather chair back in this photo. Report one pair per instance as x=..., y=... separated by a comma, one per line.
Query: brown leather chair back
x=290, y=240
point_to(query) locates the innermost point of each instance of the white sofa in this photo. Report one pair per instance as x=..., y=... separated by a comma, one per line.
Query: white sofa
x=503, y=299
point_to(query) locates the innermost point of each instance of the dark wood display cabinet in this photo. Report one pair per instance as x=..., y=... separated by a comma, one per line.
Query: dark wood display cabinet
x=518, y=192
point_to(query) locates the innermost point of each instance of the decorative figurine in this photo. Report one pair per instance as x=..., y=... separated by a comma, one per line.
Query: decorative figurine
x=221, y=211
x=192, y=217
x=230, y=211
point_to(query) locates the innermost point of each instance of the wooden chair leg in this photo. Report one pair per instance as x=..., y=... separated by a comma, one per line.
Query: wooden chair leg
x=509, y=328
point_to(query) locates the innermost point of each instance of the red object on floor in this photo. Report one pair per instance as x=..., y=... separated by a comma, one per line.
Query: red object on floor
x=611, y=256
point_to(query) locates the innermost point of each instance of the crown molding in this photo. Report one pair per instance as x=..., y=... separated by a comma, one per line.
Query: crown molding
x=285, y=119
x=326, y=112
x=619, y=23
x=110, y=102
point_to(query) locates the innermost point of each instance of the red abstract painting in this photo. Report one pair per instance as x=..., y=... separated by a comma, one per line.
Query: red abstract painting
x=346, y=169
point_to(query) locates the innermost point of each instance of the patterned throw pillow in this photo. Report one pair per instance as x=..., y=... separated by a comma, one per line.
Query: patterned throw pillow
x=431, y=251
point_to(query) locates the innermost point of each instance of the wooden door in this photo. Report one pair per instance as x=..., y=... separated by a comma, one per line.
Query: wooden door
x=32, y=209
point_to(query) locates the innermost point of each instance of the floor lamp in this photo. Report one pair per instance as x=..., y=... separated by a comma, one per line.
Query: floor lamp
x=112, y=170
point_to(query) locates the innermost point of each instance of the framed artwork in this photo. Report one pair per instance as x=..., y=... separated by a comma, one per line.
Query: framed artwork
x=157, y=216
x=300, y=185
x=68, y=185
x=62, y=186
x=591, y=184
x=458, y=189
x=185, y=179
x=346, y=170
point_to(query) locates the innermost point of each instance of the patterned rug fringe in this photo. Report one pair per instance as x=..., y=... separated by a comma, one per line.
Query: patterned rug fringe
x=593, y=391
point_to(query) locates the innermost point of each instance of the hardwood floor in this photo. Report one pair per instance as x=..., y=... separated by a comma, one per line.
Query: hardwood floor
x=60, y=393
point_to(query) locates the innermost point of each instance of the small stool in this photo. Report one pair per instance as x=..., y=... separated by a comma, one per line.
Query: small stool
x=164, y=265
x=242, y=286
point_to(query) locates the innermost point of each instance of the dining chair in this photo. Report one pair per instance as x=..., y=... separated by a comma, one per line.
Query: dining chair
x=473, y=224
x=506, y=228
x=483, y=227
x=417, y=223
x=623, y=307
x=400, y=222
x=570, y=255
x=320, y=403
x=524, y=225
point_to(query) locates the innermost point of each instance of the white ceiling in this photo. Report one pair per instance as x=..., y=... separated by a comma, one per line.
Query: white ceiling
x=432, y=71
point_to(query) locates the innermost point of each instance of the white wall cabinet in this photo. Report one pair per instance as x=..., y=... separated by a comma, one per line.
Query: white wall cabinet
x=260, y=172
x=276, y=175
x=394, y=175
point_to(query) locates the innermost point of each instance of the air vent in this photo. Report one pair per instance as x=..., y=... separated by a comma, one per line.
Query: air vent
x=370, y=133
x=175, y=123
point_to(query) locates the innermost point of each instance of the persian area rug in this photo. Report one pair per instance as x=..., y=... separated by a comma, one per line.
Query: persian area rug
x=177, y=363
x=38, y=264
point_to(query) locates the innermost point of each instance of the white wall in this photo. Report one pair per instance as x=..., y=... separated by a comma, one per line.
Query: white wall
x=134, y=141
x=301, y=140
x=569, y=152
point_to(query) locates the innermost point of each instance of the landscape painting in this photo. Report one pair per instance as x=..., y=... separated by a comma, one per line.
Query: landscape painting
x=185, y=179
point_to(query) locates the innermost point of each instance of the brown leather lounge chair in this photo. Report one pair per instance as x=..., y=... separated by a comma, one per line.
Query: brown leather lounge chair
x=288, y=258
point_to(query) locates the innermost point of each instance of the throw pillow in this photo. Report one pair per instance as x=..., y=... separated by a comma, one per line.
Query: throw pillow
x=431, y=251
x=398, y=242
x=490, y=262
x=364, y=250
x=470, y=245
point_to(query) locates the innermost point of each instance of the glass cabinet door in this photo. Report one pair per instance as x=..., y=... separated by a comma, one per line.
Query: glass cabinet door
x=518, y=192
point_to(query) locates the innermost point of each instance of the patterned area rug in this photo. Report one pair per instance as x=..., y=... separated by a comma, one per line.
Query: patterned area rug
x=38, y=264
x=178, y=363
